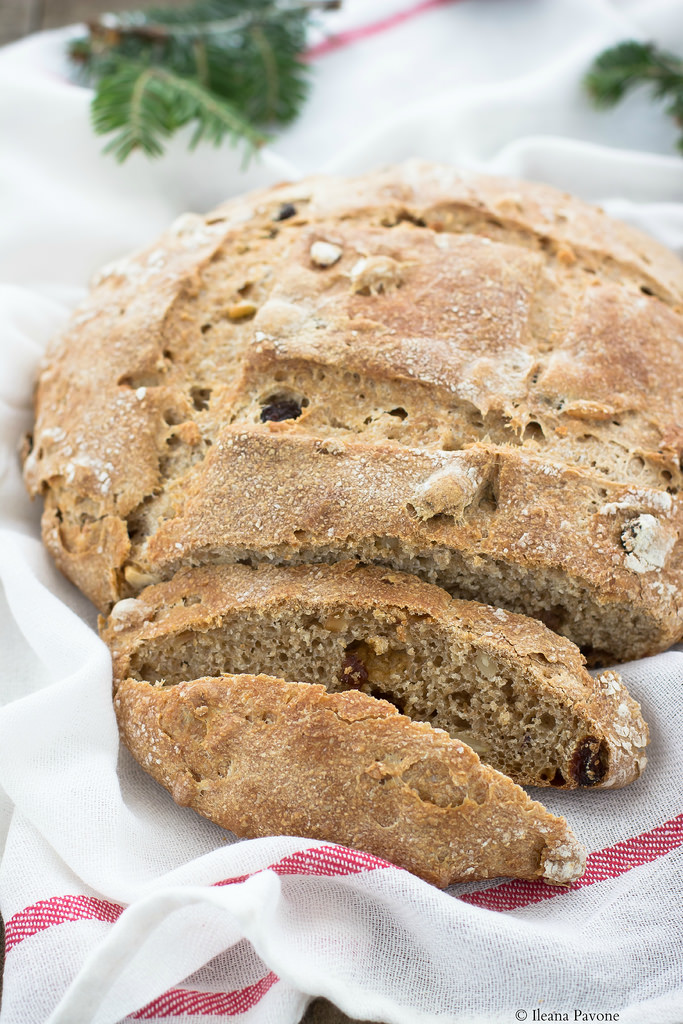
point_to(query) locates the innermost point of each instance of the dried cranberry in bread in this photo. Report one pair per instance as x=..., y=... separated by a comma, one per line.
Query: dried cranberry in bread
x=502, y=683
x=342, y=767
x=473, y=380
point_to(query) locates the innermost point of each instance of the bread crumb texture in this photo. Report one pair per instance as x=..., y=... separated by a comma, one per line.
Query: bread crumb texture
x=504, y=684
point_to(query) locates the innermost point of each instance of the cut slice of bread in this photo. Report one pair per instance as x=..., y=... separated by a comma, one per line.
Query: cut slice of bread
x=261, y=757
x=502, y=683
x=486, y=523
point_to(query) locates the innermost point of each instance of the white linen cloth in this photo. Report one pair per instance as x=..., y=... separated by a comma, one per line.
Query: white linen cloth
x=111, y=894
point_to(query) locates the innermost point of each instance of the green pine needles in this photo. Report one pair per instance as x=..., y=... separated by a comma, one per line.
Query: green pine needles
x=230, y=68
x=621, y=68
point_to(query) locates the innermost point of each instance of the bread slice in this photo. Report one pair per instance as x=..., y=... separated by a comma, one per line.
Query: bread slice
x=504, y=684
x=261, y=757
x=502, y=526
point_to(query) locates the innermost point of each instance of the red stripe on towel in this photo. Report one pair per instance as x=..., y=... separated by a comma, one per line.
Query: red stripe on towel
x=611, y=862
x=373, y=28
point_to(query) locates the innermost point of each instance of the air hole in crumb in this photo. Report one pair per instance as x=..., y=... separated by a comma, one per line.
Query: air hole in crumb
x=533, y=432
x=205, y=328
x=167, y=354
x=200, y=398
x=174, y=441
x=558, y=779
x=401, y=413
x=457, y=724
x=645, y=290
x=173, y=417
x=390, y=698
x=508, y=692
x=405, y=216
x=553, y=617
x=191, y=599
x=489, y=497
x=547, y=721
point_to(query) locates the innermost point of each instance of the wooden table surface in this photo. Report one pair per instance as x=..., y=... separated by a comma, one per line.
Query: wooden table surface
x=18, y=18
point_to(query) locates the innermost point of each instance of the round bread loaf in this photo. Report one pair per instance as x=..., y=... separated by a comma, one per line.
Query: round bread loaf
x=471, y=380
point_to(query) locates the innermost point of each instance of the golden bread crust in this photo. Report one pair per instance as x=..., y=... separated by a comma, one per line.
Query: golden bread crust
x=345, y=768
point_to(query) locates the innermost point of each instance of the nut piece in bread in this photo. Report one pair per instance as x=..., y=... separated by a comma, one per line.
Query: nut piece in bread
x=342, y=767
x=502, y=683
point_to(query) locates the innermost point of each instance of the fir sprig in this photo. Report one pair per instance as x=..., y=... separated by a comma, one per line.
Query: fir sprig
x=232, y=68
x=621, y=68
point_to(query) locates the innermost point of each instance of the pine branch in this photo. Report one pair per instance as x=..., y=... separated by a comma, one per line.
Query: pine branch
x=622, y=68
x=230, y=67
x=160, y=25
